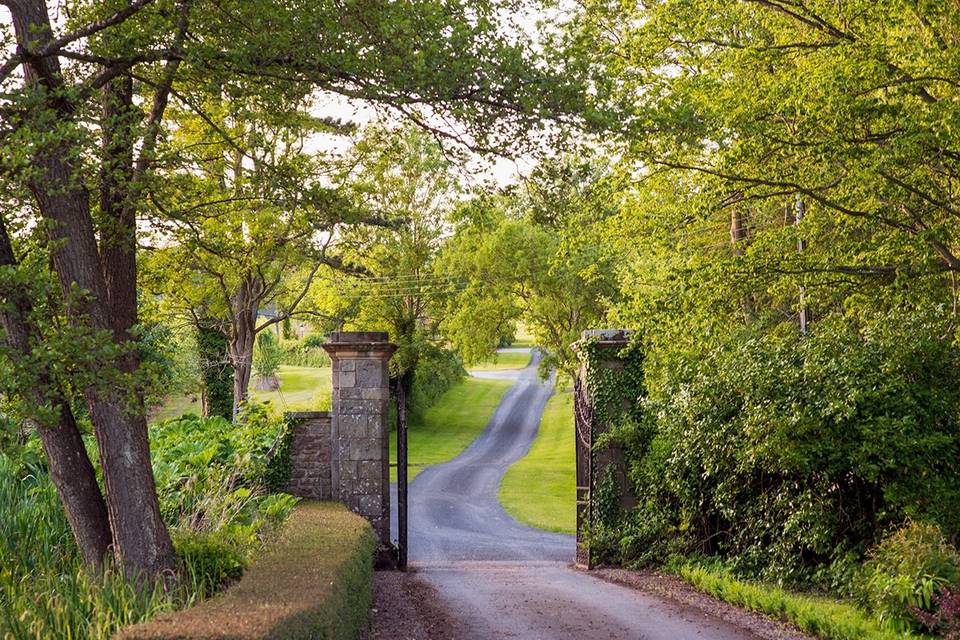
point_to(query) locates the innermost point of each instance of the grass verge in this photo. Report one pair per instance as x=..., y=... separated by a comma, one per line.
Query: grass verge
x=539, y=489
x=314, y=581
x=449, y=426
x=504, y=360
x=819, y=616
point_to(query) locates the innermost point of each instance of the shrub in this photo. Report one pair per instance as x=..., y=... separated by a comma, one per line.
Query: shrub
x=906, y=571
x=315, y=581
x=437, y=371
x=788, y=453
x=208, y=560
x=945, y=619
x=44, y=590
x=267, y=355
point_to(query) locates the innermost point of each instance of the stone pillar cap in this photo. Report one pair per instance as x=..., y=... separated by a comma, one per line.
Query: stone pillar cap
x=604, y=338
x=358, y=336
x=364, y=344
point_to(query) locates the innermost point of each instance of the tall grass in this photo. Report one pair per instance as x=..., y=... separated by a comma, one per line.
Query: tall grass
x=44, y=590
x=210, y=477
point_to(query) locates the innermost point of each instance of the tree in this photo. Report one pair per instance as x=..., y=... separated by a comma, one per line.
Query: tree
x=403, y=177
x=841, y=107
x=47, y=409
x=112, y=68
x=532, y=255
x=251, y=222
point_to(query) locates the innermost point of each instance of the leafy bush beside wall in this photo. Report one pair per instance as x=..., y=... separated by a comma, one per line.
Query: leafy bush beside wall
x=789, y=453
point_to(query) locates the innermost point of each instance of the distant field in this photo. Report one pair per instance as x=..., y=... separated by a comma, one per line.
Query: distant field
x=504, y=360
x=301, y=389
x=523, y=338
x=539, y=489
x=449, y=426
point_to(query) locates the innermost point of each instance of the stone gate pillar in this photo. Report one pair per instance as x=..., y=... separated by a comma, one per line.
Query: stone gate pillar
x=596, y=410
x=360, y=469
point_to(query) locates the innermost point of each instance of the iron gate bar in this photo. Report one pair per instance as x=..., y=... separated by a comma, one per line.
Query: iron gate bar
x=401, y=476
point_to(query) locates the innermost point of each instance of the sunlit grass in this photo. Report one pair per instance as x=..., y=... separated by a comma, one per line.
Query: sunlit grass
x=504, y=360
x=449, y=426
x=539, y=489
x=301, y=389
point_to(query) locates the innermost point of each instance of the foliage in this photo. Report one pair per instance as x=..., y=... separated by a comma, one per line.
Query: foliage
x=267, y=356
x=216, y=370
x=210, y=476
x=530, y=255
x=906, y=571
x=437, y=371
x=320, y=567
x=945, y=620
x=821, y=617
x=786, y=452
x=307, y=352
x=403, y=178
x=164, y=361
x=211, y=472
x=44, y=590
x=210, y=561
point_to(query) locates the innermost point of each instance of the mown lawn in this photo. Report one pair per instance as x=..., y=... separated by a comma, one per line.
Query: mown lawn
x=504, y=360
x=539, y=489
x=301, y=389
x=449, y=426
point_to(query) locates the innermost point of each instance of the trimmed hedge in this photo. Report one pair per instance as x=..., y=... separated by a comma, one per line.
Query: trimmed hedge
x=314, y=581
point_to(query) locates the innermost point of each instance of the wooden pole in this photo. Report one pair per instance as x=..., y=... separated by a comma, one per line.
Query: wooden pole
x=799, y=212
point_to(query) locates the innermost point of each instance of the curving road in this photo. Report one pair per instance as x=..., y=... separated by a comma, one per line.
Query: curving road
x=504, y=579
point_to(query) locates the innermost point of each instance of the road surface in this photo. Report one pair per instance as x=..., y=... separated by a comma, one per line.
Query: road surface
x=503, y=579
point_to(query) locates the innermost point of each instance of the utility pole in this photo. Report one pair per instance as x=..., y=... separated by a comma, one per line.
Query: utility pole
x=799, y=211
x=738, y=237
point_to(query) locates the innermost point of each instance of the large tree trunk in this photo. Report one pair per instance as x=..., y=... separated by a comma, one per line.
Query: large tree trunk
x=141, y=541
x=245, y=303
x=72, y=472
x=241, y=355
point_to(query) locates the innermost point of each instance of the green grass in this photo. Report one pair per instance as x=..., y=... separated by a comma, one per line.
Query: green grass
x=523, y=338
x=504, y=360
x=177, y=405
x=450, y=425
x=540, y=488
x=314, y=581
x=301, y=389
x=819, y=616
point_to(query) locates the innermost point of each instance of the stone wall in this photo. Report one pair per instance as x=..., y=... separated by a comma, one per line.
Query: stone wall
x=310, y=455
x=344, y=455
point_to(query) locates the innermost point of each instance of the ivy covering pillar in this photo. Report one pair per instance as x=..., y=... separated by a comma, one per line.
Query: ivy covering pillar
x=607, y=387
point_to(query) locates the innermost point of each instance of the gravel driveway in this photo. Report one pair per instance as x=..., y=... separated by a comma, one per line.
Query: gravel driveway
x=476, y=573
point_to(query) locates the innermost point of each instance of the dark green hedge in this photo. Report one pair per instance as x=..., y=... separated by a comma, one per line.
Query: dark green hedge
x=314, y=581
